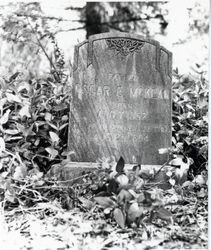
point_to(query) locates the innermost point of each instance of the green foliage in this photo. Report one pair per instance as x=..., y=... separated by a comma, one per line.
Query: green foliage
x=131, y=200
x=137, y=196
x=33, y=123
x=190, y=119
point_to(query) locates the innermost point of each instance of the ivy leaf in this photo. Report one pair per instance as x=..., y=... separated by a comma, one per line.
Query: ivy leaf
x=141, y=198
x=201, y=193
x=13, y=98
x=63, y=126
x=105, y=201
x=202, y=101
x=2, y=145
x=25, y=111
x=113, y=186
x=203, y=149
x=14, y=76
x=48, y=116
x=119, y=217
x=124, y=196
x=177, y=161
x=5, y=117
x=2, y=103
x=53, y=152
x=24, y=86
x=11, y=131
x=182, y=171
x=52, y=125
x=172, y=182
x=134, y=212
x=54, y=137
x=123, y=180
x=120, y=165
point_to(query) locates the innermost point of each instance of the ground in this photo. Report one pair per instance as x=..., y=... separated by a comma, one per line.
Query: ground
x=47, y=225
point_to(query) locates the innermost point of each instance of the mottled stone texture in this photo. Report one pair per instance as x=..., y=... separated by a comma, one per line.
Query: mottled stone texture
x=121, y=99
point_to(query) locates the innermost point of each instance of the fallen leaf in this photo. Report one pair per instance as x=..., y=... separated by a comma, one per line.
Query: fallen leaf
x=86, y=203
x=163, y=213
x=20, y=173
x=10, y=196
x=105, y=202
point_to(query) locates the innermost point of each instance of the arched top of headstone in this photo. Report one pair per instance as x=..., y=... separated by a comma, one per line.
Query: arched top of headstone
x=123, y=43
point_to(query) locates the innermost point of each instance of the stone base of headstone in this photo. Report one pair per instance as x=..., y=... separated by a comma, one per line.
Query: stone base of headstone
x=73, y=172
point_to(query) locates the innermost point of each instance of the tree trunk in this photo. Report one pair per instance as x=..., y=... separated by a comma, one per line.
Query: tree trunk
x=95, y=18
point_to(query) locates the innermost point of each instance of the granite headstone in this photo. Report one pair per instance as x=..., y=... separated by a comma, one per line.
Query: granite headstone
x=121, y=99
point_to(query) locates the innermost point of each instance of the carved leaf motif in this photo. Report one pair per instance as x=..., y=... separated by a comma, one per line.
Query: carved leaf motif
x=124, y=46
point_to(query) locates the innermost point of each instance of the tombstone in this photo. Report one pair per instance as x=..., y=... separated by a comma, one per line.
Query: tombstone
x=121, y=99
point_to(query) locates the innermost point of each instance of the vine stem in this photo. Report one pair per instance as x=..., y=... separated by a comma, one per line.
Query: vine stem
x=151, y=178
x=41, y=46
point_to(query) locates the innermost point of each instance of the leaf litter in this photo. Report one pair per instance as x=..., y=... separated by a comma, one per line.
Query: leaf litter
x=88, y=224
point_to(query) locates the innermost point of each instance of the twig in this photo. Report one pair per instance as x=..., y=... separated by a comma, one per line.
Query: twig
x=22, y=210
x=151, y=178
x=59, y=19
x=29, y=190
x=74, y=179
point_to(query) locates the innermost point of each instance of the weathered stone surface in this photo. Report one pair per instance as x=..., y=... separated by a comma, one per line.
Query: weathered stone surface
x=121, y=99
x=74, y=172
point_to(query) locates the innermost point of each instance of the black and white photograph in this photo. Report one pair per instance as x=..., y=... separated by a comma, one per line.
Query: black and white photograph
x=104, y=124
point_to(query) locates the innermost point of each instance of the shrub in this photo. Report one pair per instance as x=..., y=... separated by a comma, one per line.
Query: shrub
x=190, y=119
x=34, y=118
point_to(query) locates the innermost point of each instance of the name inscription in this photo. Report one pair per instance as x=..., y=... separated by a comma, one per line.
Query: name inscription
x=134, y=92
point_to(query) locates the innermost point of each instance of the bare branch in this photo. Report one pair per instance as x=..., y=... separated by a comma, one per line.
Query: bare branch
x=71, y=29
x=59, y=19
x=42, y=47
x=74, y=8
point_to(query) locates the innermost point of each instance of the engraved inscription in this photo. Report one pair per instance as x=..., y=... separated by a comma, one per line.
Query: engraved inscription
x=149, y=93
x=128, y=115
x=140, y=92
x=115, y=132
x=124, y=46
x=119, y=78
